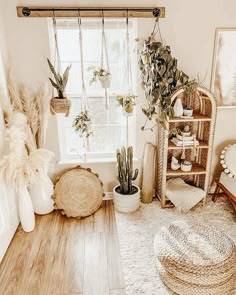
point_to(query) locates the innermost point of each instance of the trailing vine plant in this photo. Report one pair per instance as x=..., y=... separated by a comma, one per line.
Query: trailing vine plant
x=160, y=77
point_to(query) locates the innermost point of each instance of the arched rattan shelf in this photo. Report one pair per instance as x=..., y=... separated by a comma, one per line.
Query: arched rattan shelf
x=203, y=125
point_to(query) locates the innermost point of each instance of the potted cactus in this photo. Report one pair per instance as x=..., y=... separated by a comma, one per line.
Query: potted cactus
x=59, y=104
x=126, y=194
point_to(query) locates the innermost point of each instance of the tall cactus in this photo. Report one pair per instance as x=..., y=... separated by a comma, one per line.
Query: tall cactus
x=125, y=169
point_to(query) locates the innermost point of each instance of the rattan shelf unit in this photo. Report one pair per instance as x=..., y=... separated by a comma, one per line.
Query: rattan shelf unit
x=203, y=125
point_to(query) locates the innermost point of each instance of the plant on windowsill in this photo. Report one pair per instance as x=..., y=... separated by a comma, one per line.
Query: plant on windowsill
x=59, y=104
x=128, y=103
x=126, y=194
x=160, y=77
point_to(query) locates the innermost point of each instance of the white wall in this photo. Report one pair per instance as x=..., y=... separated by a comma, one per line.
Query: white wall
x=9, y=218
x=188, y=28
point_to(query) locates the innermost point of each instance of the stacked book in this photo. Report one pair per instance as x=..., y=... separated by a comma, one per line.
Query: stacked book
x=185, y=142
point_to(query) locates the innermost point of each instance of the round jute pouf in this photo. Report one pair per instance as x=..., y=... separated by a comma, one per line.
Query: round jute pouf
x=195, y=258
x=78, y=193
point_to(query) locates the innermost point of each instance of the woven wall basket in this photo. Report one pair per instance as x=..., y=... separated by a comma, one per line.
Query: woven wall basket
x=60, y=105
x=78, y=193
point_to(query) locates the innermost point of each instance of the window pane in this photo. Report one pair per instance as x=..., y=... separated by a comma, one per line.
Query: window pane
x=108, y=126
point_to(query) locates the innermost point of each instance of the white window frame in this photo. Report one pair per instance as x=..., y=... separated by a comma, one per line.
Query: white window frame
x=93, y=157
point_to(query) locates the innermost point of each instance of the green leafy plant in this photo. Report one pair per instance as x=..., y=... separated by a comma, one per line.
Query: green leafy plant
x=160, y=77
x=82, y=124
x=60, y=80
x=97, y=72
x=125, y=170
x=127, y=102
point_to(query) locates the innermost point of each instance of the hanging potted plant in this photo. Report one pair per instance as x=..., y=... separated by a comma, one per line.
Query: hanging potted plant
x=82, y=124
x=59, y=104
x=101, y=75
x=160, y=77
x=128, y=103
x=126, y=194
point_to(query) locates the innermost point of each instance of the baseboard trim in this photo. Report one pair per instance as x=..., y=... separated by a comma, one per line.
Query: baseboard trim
x=108, y=196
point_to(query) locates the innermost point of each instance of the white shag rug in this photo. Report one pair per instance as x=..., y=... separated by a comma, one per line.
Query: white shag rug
x=136, y=233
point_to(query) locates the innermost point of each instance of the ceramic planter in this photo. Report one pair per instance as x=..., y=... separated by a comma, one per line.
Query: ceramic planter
x=105, y=81
x=41, y=192
x=126, y=203
x=188, y=112
x=178, y=108
x=26, y=211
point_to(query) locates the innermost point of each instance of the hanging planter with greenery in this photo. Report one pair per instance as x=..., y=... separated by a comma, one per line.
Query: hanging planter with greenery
x=102, y=73
x=128, y=99
x=160, y=77
x=82, y=123
x=127, y=102
x=59, y=104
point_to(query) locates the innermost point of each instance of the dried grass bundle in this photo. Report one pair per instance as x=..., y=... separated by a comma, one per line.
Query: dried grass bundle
x=35, y=106
x=19, y=169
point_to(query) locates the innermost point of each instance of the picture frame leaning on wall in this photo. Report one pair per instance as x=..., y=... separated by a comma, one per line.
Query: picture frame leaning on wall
x=223, y=75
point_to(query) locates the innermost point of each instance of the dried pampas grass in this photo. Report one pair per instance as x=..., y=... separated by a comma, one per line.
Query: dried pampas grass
x=19, y=169
x=34, y=104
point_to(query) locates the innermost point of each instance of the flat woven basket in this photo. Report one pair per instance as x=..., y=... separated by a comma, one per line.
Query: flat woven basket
x=78, y=193
x=194, y=257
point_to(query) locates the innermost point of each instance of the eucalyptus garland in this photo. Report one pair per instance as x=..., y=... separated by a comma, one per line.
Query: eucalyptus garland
x=160, y=77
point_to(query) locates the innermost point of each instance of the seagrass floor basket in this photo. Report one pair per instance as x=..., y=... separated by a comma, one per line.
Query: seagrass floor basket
x=195, y=258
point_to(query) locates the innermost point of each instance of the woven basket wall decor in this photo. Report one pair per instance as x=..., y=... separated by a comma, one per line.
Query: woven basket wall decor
x=60, y=105
x=78, y=192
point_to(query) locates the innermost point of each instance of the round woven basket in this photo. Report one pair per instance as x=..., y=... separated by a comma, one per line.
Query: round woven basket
x=78, y=193
x=60, y=105
x=195, y=255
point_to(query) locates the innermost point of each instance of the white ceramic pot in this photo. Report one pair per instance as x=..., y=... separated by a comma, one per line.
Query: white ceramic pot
x=126, y=203
x=41, y=192
x=105, y=81
x=178, y=108
x=186, y=166
x=188, y=113
x=26, y=211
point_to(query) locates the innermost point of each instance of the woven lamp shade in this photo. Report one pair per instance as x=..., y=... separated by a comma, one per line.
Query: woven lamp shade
x=78, y=193
x=194, y=258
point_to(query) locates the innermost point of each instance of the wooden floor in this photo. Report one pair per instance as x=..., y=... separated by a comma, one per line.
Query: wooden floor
x=65, y=256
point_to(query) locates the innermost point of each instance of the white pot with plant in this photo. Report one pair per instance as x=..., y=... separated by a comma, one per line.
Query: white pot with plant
x=126, y=194
x=101, y=75
x=190, y=89
x=59, y=104
x=128, y=103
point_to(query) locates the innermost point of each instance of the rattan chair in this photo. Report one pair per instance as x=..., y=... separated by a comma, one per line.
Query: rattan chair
x=227, y=180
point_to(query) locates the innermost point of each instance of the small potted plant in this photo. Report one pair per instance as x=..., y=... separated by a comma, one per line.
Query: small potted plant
x=102, y=75
x=190, y=89
x=127, y=102
x=59, y=104
x=126, y=194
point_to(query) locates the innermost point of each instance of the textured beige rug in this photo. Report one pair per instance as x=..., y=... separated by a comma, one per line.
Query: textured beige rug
x=136, y=235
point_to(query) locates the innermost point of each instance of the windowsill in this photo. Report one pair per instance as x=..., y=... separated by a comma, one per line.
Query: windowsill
x=91, y=161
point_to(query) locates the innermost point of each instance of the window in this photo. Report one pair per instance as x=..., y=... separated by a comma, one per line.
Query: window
x=109, y=126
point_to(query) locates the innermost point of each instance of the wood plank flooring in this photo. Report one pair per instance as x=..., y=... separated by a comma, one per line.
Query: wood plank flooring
x=65, y=256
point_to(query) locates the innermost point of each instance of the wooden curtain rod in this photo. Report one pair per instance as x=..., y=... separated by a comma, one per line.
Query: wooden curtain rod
x=49, y=11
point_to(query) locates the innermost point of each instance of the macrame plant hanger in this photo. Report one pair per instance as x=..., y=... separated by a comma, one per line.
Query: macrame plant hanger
x=129, y=75
x=107, y=78
x=84, y=97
